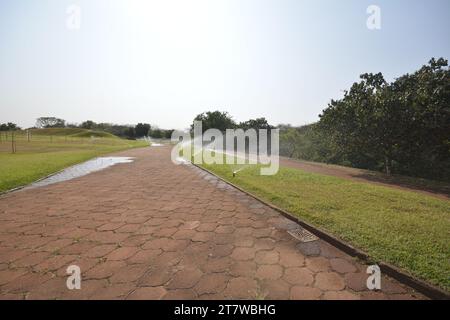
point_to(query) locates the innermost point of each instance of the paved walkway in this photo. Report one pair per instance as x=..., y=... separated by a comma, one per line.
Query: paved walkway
x=153, y=230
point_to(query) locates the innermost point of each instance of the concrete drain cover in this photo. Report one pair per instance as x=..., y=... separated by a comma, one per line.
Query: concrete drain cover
x=303, y=235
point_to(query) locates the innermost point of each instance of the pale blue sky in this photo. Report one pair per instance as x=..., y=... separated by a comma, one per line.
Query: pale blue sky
x=163, y=62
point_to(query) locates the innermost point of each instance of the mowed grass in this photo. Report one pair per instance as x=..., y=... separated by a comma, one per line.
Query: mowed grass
x=70, y=133
x=46, y=154
x=406, y=229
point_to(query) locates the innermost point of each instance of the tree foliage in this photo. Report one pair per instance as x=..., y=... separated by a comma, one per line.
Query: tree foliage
x=223, y=120
x=129, y=131
x=399, y=127
x=142, y=130
x=89, y=124
x=259, y=123
x=9, y=126
x=50, y=122
x=215, y=120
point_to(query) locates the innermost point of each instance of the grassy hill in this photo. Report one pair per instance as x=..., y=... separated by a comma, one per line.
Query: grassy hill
x=72, y=132
x=47, y=151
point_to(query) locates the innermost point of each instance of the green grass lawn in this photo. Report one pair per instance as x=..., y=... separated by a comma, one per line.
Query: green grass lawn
x=46, y=154
x=406, y=229
x=71, y=133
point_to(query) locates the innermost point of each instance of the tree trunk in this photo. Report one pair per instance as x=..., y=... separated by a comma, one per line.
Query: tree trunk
x=292, y=154
x=387, y=165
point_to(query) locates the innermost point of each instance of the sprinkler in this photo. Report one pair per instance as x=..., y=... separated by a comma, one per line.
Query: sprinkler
x=236, y=171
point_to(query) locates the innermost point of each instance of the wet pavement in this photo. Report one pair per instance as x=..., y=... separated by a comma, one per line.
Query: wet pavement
x=80, y=170
x=152, y=230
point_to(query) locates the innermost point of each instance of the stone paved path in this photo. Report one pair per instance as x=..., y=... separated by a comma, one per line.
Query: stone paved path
x=153, y=230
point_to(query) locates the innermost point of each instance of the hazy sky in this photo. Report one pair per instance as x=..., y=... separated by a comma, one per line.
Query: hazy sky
x=165, y=61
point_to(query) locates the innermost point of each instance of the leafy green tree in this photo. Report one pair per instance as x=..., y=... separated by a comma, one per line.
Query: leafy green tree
x=157, y=133
x=12, y=126
x=215, y=120
x=424, y=100
x=50, y=122
x=168, y=134
x=307, y=143
x=142, y=130
x=259, y=123
x=130, y=133
x=401, y=127
x=9, y=126
x=290, y=142
x=89, y=124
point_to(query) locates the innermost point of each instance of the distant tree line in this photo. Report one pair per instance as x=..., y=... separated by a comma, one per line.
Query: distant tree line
x=128, y=131
x=223, y=120
x=400, y=127
x=124, y=131
x=9, y=126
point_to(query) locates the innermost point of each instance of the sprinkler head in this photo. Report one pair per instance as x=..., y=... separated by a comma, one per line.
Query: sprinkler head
x=234, y=174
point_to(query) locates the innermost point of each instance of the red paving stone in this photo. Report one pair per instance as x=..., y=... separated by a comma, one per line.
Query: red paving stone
x=153, y=230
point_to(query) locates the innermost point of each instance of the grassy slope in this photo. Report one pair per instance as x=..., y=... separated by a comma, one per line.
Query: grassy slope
x=42, y=156
x=72, y=132
x=407, y=229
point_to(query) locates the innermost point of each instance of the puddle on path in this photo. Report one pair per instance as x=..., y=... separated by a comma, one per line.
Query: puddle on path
x=81, y=169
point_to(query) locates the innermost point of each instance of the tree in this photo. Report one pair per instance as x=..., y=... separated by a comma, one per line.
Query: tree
x=290, y=142
x=259, y=123
x=50, y=122
x=142, y=130
x=215, y=120
x=130, y=133
x=307, y=143
x=9, y=126
x=157, y=133
x=424, y=99
x=12, y=126
x=361, y=123
x=168, y=134
x=89, y=124
x=402, y=127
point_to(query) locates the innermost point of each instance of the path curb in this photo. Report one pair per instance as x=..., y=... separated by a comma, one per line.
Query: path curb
x=36, y=181
x=421, y=286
